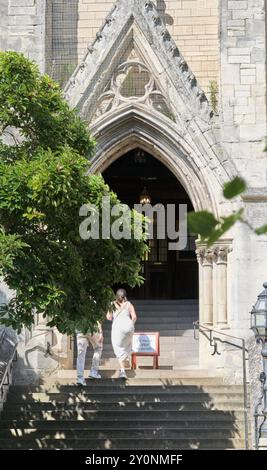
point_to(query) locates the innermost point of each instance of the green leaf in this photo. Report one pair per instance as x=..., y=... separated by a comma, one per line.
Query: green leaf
x=234, y=188
x=201, y=223
x=225, y=224
x=261, y=230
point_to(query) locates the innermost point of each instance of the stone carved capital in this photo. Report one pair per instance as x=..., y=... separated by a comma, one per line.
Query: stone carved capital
x=221, y=254
x=217, y=254
x=200, y=255
x=205, y=256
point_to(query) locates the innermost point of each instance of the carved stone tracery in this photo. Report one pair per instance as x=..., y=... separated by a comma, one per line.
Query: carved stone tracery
x=131, y=82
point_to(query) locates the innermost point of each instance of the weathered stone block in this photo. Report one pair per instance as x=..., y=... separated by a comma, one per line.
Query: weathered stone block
x=253, y=133
x=239, y=59
x=257, y=55
x=25, y=11
x=237, y=51
x=237, y=5
x=22, y=3
x=251, y=72
x=248, y=79
x=242, y=14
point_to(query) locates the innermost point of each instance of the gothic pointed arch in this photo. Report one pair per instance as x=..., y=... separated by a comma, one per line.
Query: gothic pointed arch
x=133, y=127
x=135, y=68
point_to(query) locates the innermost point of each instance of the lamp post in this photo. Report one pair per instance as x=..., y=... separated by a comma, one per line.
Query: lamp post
x=259, y=327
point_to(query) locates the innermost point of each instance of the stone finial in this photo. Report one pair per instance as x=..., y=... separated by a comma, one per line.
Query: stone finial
x=149, y=6
x=166, y=35
x=90, y=49
x=175, y=51
x=109, y=20
x=157, y=20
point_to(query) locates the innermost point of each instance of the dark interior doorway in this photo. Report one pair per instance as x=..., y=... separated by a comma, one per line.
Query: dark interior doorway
x=168, y=274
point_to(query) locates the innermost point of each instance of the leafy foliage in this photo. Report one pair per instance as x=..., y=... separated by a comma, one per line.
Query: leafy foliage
x=209, y=228
x=43, y=184
x=234, y=188
x=214, y=95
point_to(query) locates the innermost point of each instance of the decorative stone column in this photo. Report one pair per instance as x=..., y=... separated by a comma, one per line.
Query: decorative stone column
x=199, y=253
x=208, y=286
x=220, y=258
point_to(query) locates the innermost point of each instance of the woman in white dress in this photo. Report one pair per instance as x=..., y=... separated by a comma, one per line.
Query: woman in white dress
x=123, y=319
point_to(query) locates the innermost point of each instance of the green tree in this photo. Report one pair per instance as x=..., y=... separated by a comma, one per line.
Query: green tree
x=43, y=183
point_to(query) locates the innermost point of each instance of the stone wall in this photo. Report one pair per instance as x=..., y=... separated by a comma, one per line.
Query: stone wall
x=61, y=39
x=193, y=24
x=243, y=87
x=24, y=28
x=243, y=131
x=3, y=24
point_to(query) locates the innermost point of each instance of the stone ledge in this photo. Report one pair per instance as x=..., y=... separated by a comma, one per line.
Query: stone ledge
x=255, y=195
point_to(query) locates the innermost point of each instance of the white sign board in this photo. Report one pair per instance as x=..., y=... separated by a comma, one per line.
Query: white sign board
x=145, y=343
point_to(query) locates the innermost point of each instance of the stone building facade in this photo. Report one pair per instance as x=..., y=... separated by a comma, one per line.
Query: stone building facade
x=181, y=47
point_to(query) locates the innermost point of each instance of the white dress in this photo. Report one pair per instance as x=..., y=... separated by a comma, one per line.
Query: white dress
x=122, y=332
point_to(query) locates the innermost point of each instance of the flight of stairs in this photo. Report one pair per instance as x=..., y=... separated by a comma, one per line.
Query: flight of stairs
x=173, y=319
x=184, y=411
x=175, y=407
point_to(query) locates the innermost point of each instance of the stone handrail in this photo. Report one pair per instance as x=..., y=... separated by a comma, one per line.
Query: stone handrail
x=214, y=337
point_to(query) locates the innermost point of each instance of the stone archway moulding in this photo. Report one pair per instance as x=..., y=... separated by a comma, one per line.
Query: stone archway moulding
x=133, y=127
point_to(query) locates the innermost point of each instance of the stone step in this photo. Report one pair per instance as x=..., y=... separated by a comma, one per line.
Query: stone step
x=93, y=408
x=112, y=363
x=145, y=319
x=184, y=349
x=172, y=333
x=120, y=433
x=152, y=312
x=126, y=443
x=186, y=343
x=85, y=414
x=165, y=329
x=94, y=404
x=63, y=395
x=133, y=386
x=66, y=380
x=165, y=358
x=190, y=413
x=216, y=422
x=157, y=313
x=167, y=314
x=182, y=343
x=146, y=376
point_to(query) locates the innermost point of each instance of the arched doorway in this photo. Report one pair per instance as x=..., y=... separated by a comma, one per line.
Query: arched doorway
x=168, y=274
